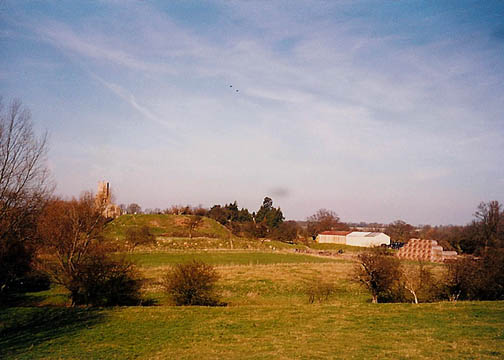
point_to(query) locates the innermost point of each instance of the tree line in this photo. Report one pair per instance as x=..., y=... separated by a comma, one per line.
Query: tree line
x=388, y=279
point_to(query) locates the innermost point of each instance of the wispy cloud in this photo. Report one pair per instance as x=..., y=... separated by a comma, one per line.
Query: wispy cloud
x=331, y=104
x=130, y=99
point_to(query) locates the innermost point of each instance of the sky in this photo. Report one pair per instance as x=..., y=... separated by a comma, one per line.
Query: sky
x=377, y=110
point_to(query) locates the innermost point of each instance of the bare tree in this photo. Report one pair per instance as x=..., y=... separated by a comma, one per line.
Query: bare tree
x=420, y=282
x=379, y=273
x=134, y=208
x=489, y=224
x=24, y=187
x=324, y=220
x=78, y=258
x=193, y=222
x=70, y=230
x=400, y=231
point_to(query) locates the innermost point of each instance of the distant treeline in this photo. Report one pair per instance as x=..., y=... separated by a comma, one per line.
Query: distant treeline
x=486, y=230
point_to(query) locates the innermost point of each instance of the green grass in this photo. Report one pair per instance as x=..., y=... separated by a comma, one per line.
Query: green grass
x=335, y=247
x=167, y=225
x=399, y=331
x=268, y=316
x=205, y=243
x=223, y=258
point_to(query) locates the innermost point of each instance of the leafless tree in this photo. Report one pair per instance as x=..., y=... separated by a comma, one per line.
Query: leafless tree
x=489, y=224
x=193, y=222
x=324, y=220
x=24, y=187
x=79, y=258
x=134, y=208
x=379, y=273
x=70, y=231
x=419, y=281
x=400, y=231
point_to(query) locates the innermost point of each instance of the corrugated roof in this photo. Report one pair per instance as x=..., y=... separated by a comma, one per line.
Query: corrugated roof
x=365, y=233
x=359, y=233
x=374, y=234
x=331, y=232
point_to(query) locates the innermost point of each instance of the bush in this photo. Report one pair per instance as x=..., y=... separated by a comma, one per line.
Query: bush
x=420, y=283
x=286, y=232
x=477, y=278
x=192, y=284
x=319, y=290
x=136, y=236
x=380, y=273
x=15, y=264
x=34, y=281
x=103, y=281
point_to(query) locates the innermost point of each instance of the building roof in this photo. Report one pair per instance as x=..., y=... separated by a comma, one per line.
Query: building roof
x=331, y=232
x=371, y=234
x=359, y=233
x=365, y=233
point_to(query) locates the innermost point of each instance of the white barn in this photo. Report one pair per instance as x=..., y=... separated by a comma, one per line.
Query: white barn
x=354, y=238
x=367, y=239
x=332, y=237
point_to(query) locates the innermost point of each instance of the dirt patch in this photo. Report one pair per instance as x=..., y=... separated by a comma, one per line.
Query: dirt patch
x=181, y=221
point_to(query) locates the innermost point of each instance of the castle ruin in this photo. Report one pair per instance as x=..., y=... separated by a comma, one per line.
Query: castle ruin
x=104, y=200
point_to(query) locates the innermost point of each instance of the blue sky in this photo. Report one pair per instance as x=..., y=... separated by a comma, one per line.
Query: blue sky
x=378, y=110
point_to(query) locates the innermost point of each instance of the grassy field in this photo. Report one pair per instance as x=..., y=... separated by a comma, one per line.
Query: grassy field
x=152, y=259
x=268, y=316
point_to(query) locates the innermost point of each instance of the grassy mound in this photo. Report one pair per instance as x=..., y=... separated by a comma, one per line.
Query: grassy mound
x=166, y=226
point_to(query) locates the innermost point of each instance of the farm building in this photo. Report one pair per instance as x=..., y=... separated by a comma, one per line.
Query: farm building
x=367, y=239
x=332, y=237
x=354, y=238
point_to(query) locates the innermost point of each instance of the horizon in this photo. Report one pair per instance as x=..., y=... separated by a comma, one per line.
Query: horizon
x=378, y=111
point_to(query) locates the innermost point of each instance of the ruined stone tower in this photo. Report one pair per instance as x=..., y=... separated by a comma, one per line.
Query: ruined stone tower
x=103, y=194
x=104, y=200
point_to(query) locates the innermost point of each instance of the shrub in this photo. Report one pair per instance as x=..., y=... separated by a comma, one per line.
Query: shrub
x=477, y=278
x=103, y=281
x=420, y=283
x=192, y=284
x=33, y=281
x=380, y=273
x=136, y=236
x=286, y=232
x=319, y=290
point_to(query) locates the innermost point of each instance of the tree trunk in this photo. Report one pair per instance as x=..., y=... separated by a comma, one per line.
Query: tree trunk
x=412, y=293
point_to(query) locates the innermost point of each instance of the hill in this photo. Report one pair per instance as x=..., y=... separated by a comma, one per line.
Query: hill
x=164, y=225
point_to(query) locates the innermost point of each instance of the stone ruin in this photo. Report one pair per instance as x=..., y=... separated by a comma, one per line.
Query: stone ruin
x=425, y=250
x=104, y=199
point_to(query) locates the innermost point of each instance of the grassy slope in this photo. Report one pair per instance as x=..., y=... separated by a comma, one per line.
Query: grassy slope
x=172, y=234
x=267, y=317
x=167, y=225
